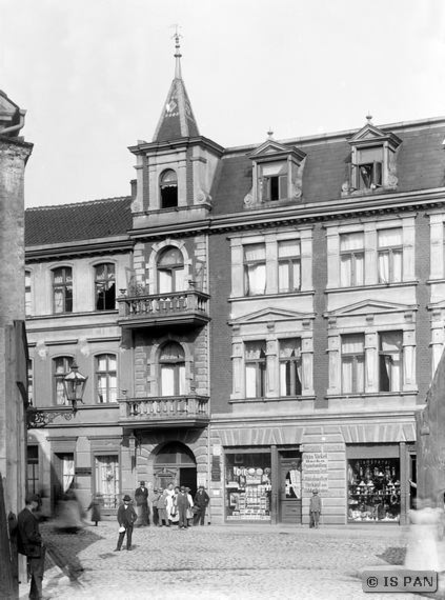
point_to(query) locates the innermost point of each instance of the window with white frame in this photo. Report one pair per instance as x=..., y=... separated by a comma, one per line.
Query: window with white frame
x=172, y=367
x=254, y=269
x=255, y=369
x=106, y=378
x=273, y=181
x=390, y=361
x=290, y=367
x=28, y=299
x=63, y=290
x=107, y=480
x=289, y=266
x=390, y=255
x=171, y=273
x=353, y=363
x=352, y=258
x=105, y=286
x=61, y=368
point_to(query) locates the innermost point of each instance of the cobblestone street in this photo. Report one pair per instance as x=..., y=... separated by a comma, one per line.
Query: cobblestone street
x=220, y=562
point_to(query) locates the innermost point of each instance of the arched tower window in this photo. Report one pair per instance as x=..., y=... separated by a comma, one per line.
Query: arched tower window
x=172, y=366
x=170, y=270
x=168, y=189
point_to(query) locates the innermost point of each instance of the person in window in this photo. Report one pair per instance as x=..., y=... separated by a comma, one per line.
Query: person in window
x=126, y=516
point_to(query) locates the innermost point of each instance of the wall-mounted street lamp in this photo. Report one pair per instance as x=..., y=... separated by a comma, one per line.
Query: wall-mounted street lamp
x=74, y=385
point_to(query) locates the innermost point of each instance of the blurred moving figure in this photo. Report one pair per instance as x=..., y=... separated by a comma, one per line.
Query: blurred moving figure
x=423, y=547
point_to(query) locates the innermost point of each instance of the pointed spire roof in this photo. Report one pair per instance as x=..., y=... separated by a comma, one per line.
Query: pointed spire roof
x=177, y=118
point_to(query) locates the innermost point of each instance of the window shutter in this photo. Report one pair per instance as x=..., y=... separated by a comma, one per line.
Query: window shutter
x=377, y=174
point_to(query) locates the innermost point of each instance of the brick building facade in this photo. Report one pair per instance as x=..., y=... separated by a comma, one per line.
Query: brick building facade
x=264, y=320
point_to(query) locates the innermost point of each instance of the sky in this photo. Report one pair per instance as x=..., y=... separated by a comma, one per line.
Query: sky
x=93, y=76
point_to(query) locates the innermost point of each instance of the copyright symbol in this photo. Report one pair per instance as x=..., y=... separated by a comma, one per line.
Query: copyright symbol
x=372, y=582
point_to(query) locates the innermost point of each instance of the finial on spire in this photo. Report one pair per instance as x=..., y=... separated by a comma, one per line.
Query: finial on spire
x=369, y=118
x=178, y=54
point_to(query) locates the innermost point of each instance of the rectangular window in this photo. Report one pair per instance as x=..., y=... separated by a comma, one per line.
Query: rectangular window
x=254, y=269
x=27, y=293
x=32, y=480
x=105, y=287
x=63, y=290
x=107, y=480
x=352, y=257
x=255, y=364
x=61, y=366
x=289, y=266
x=390, y=255
x=390, y=361
x=370, y=175
x=106, y=378
x=290, y=367
x=273, y=183
x=29, y=366
x=352, y=363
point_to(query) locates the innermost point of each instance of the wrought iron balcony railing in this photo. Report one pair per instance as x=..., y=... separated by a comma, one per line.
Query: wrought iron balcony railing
x=187, y=307
x=184, y=411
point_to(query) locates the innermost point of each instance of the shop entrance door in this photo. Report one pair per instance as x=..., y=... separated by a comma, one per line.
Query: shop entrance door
x=290, y=487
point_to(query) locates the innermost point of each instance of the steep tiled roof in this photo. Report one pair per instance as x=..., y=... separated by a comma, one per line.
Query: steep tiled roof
x=420, y=165
x=75, y=222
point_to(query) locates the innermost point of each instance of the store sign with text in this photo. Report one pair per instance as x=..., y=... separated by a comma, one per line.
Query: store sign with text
x=315, y=472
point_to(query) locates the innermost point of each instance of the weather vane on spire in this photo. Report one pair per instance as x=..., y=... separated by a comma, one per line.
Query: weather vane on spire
x=178, y=54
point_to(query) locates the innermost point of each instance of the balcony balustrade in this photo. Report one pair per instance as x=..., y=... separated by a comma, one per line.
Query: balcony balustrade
x=175, y=308
x=181, y=411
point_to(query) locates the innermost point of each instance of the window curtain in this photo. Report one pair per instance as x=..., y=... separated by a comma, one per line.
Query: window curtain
x=290, y=367
x=67, y=471
x=352, y=264
x=255, y=370
x=165, y=282
x=390, y=238
x=351, y=241
x=391, y=361
x=353, y=373
x=255, y=271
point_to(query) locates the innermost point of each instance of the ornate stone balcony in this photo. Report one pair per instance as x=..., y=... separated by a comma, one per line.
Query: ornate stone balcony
x=165, y=411
x=153, y=310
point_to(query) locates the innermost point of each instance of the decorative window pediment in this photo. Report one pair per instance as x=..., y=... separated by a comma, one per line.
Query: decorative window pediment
x=277, y=172
x=373, y=161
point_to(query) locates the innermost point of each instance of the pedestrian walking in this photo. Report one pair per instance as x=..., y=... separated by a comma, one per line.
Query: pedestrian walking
x=126, y=516
x=202, y=500
x=30, y=544
x=141, y=497
x=182, y=503
x=314, y=509
x=94, y=506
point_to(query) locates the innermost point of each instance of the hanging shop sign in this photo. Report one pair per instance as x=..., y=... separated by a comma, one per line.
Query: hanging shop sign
x=315, y=472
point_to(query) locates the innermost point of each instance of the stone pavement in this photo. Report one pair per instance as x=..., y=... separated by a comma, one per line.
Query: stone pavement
x=218, y=562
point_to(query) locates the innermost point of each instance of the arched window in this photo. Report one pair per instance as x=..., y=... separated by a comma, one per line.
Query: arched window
x=63, y=290
x=106, y=378
x=170, y=271
x=168, y=185
x=61, y=368
x=105, y=286
x=172, y=367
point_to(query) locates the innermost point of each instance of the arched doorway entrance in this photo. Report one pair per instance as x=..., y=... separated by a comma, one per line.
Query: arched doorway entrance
x=175, y=463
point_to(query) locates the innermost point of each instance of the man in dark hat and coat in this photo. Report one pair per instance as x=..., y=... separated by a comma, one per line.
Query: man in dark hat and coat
x=126, y=516
x=29, y=542
x=201, y=501
x=141, y=497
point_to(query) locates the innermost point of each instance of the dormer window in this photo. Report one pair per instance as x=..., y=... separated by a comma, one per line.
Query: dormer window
x=169, y=189
x=277, y=172
x=273, y=181
x=373, y=161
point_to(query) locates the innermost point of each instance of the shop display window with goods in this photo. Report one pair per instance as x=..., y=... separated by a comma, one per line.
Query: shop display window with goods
x=374, y=489
x=248, y=487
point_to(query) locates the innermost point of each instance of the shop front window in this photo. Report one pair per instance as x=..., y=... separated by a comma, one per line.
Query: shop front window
x=374, y=489
x=248, y=487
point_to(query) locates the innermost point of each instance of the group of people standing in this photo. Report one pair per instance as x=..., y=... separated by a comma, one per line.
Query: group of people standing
x=163, y=507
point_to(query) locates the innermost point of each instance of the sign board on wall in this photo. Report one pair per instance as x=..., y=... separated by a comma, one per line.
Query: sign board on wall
x=315, y=472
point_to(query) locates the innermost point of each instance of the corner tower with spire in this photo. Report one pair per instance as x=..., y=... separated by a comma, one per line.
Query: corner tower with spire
x=175, y=171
